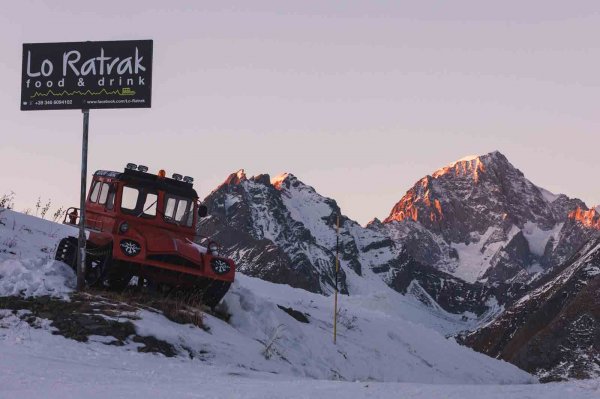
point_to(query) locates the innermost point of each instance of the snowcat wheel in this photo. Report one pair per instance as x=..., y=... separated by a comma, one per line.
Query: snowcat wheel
x=214, y=292
x=66, y=252
x=118, y=276
x=97, y=263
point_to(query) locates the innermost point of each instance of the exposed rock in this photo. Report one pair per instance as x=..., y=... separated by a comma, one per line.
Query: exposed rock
x=554, y=331
x=253, y=220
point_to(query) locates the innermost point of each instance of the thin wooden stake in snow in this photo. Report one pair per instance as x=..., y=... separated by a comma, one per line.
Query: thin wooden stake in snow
x=337, y=269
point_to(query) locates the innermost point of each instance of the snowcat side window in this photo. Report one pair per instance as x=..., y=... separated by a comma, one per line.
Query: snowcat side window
x=103, y=194
x=110, y=202
x=181, y=210
x=150, y=205
x=190, y=218
x=170, y=208
x=129, y=198
x=187, y=216
x=95, y=191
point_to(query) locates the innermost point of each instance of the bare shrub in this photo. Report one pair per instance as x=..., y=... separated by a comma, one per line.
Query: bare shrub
x=45, y=209
x=179, y=308
x=183, y=309
x=272, y=343
x=7, y=201
x=59, y=214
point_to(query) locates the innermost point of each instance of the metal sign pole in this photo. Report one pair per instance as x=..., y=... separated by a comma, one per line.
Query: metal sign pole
x=337, y=269
x=82, y=238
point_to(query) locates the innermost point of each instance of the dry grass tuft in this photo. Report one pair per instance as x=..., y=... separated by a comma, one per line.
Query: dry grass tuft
x=182, y=308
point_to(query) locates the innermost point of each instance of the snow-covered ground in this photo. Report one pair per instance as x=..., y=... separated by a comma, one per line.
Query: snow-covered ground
x=388, y=345
x=34, y=364
x=27, y=247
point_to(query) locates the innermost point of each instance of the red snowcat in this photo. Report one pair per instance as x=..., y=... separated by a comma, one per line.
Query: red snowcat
x=142, y=225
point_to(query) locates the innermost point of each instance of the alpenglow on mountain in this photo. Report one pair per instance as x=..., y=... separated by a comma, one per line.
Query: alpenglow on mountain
x=473, y=238
x=481, y=219
x=478, y=222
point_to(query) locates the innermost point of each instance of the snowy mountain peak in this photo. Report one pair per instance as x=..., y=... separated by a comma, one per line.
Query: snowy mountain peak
x=235, y=178
x=279, y=179
x=472, y=165
x=487, y=221
x=459, y=181
x=466, y=158
x=374, y=224
x=490, y=156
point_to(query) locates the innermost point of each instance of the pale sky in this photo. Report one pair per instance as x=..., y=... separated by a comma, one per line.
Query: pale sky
x=359, y=99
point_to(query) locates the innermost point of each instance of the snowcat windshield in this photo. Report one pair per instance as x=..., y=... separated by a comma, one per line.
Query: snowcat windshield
x=179, y=210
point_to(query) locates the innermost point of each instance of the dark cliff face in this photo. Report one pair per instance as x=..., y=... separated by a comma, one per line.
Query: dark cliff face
x=448, y=292
x=260, y=257
x=554, y=330
x=250, y=219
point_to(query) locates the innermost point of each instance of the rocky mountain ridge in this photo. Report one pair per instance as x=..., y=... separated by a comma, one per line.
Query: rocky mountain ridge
x=478, y=226
x=283, y=231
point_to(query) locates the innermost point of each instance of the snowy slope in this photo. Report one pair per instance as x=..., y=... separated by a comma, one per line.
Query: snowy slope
x=383, y=336
x=27, y=247
x=35, y=364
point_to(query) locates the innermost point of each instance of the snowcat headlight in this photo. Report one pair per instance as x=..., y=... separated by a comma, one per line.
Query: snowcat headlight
x=124, y=227
x=131, y=166
x=188, y=179
x=130, y=247
x=213, y=248
x=177, y=176
x=142, y=168
x=220, y=266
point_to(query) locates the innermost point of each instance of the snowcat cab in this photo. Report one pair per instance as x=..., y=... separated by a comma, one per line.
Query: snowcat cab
x=141, y=224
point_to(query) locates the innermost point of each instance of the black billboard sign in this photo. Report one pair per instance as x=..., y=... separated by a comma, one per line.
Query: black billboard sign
x=86, y=75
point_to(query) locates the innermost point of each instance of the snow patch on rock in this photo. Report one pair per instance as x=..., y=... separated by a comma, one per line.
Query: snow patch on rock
x=537, y=238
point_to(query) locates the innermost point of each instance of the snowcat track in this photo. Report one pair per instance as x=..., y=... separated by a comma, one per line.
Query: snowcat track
x=187, y=287
x=97, y=259
x=66, y=251
x=183, y=286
